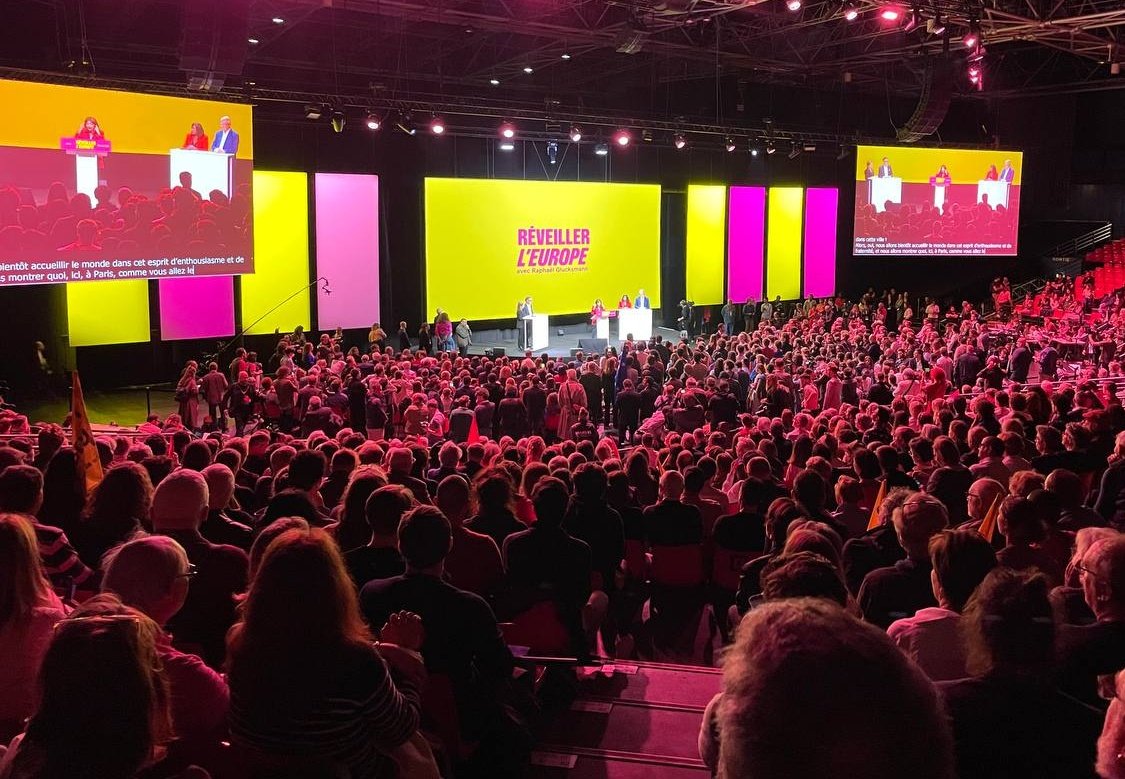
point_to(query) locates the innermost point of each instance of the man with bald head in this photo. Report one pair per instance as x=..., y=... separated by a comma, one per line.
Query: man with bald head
x=473, y=563
x=981, y=495
x=179, y=506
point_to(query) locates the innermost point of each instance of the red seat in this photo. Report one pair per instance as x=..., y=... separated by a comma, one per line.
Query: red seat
x=727, y=568
x=677, y=566
x=540, y=629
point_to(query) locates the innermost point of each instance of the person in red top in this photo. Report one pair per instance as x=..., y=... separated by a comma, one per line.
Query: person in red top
x=624, y=302
x=90, y=130
x=196, y=139
x=597, y=312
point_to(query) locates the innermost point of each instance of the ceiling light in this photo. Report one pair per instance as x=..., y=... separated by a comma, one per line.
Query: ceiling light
x=373, y=122
x=935, y=26
x=890, y=13
x=622, y=138
x=507, y=130
x=851, y=13
x=794, y=151
x=338, y=121
x=754, y=151
x=494, y=81
x=313, y=112
x=770, y=148
x=565, y=56
x=252, y=41
x=278, y=20
x=528, y=69
x=552, y=151
x=972, y=37
x=437, y=125
x=575, y=133
x=601, y=149
x=793, y=5
x=679, y=141
x=730, y=145
x=912, y=21
x=406, y=124
x=507, y=145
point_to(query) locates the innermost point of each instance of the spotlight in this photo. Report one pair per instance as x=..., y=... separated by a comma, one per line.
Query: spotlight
x=972, y=37
x=494, y=81
x=406, y=124
x=252, y=41
x=575, y=133
x=770, y=148
x=679, y=141
x=338, y=121
x=314, y=112
x=646, y=136
x=935, y=26
x=808, y=147
x=754, y=151
x=730, y=145
x=565, y=56
x=794, y=151
x=529, y=69
x=437, y=125
x=622, y=138
x=373, y=122
x=912, y=21
x=507, y=130
x=890, y=13
x=278, y=20
x=793, y=5
x=601, y=149
x=507, y=145
x=552, y=151
x=851, y=13
x=977, y=55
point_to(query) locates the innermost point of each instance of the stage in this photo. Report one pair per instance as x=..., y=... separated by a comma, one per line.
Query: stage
x=558, y=345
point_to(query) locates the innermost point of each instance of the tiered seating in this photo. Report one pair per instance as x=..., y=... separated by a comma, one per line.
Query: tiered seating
x=629, y=720
x=1112, y=253
x=1107, y=263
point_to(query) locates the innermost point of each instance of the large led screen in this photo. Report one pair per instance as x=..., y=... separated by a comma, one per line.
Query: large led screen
x=955, y=202
x=490, y=243
x=100, y=185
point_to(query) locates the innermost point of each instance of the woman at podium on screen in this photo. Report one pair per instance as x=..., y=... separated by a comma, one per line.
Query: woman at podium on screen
x=90, y=130
x=624, y=302
x=943, y=173
x=993, y=174
x=597, y=312
x=196, y=139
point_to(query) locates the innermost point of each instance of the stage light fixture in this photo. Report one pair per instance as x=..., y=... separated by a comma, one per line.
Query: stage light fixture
x=507, y=145
x=890, y=13
x=565, y=55
x=754, y=151
x=730, y=145
x=494, y=82
x=314, y=112
x=373, y=122
x=794, y=151
x=406, y=124
x=770, y=148
x=808, y=147
x=575, y=133
x=553, y=152
x=601, y=149
x=843, y=152
x=646, y=136
x=339, y=121
x=679, y=141
x=507, y=130
x=437, y=125
x=622, y=138
x=278, y=20
x=528, y=69
x=851, y=13
x=972, y=37
x=977, y=55
x=252, y=41
x=793, y=5
x=936, y=26
x=912, y=21
x=1115, y=68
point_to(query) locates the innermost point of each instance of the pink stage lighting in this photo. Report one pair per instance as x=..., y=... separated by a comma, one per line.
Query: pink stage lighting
x=890, y=13
x=851, y=13
x=507, y=130
x=970, y=40
x=793, y=5
x=437, y=126
x=622, y=138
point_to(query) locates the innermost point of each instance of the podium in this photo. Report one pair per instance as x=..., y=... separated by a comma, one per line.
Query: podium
x=539, y=331
x=882, y=189
x=939, y=183
x=86, y=160
x=637, y=321
x=601, y=327
x=997, y=192
x=209, y=170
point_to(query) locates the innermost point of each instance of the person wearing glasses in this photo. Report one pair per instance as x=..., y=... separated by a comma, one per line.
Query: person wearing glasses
x=152, y=575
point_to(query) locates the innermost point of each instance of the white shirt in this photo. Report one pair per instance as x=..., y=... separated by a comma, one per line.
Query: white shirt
x=932, y=640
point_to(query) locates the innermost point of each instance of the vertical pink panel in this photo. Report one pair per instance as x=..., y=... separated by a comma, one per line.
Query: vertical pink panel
x=746, y=243
x=820, y=242
x=199, y=307
x=347, y=249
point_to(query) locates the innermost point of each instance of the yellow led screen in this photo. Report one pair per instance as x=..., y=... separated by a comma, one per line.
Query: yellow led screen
x=107, y=312
x=783, y=243
x=706, y=243
x=916, y=165
x=490, y=243
x=281, y=253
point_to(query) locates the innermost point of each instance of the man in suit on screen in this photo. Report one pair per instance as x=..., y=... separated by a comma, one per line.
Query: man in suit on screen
x=1007, y=173
x=885, y=169
x=641, y=300
x=226, y=139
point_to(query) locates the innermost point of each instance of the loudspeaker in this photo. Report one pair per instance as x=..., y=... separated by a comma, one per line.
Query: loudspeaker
x=593, y=345
x=494, y=352
x=933, y=102
x=213, y=45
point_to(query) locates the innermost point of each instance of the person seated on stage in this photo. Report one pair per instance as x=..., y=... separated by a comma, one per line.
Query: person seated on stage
x=992, y=174
x=196, y=138
x=624, y=302
x=226, y=139
x=597, y=312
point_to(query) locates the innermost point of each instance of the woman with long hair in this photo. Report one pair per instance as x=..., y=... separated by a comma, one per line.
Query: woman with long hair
x=63, y=492
x=90, y=130
x=351, y=529
x=104, y=705
x=196, y=138
x=493, y=504
x=29, y=610
x=307, y=683
x=187, y=395
x=116, y=511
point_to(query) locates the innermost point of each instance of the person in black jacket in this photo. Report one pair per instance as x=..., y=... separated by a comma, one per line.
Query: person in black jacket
x=627, y=411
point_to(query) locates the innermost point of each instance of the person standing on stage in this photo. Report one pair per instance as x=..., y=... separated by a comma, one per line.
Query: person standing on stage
x=641, y=300
x=523, y=328
x=728, y=317
x=463, y=334
x=685, y=317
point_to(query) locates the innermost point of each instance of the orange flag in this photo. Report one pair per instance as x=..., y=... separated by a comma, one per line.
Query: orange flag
x=82, y=439
x=474, y=431
x=874, y=521
x=988, y=524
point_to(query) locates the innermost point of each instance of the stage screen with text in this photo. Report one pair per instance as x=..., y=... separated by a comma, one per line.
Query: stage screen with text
x=490, y=243
x=98, y=184
x=939, y=202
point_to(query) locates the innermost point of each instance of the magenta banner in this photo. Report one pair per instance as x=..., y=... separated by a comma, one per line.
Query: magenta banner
x=201, y=307
x=347, y=249
x=820, y=242
x=746, y=243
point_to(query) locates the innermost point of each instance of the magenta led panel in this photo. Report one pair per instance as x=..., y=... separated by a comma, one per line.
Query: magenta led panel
x=746, y=243
x=820, y=242
x=347, y=249
x=199, y=307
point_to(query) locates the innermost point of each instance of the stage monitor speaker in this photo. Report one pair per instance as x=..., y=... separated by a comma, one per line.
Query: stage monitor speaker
x=495, y=352
x=213, y=44
x=593, y=345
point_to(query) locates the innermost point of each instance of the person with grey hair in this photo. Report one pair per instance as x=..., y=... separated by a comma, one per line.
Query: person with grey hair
x=219, y=527
x=848, y=686
x=225, y=139
x=179, y=507
x=152, y=574
x=1091, y=654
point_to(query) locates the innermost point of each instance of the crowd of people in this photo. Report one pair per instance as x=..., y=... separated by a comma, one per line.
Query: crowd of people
x=908, y=530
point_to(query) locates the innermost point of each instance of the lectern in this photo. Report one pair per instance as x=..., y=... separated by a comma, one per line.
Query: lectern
x=210, y=170
x=86, y=159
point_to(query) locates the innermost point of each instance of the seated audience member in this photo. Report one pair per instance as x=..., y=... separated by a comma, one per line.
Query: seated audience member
x=591, y=519
x=351, y=529
x=545, y=563
x=1068, y=599
x=1067, y=485
x=493, y=506
x=266, y=537
x=400, y=461
x=21, y=492
x=220, y=527
x=1111, y=745
x=848, y=512
x=29, y=610
x=1098, y=649
x=745, y=531
x=473, y=563
x=152, y=575
x=781, y=514
x=990, y=461
x=931, y=638
x=179, y=507
x=380, y=557
x=117, y=510
x=1111, y=490
x=670, y=521
x=804, y=575
x=876, y=548
x=103, y=709
x=950, y=480
x=979, y=498
x=339, y=707
x=849, y=688
x=462, y=640
x=1022, y=526
x=1008, y=719
x=899, y=590
x=340, y=469
x=306, y=473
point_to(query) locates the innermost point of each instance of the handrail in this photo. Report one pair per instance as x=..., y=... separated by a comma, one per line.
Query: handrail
x=1070, y=249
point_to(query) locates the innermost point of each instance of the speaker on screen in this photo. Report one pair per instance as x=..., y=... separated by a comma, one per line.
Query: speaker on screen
x=213, y=45
x=591, y=345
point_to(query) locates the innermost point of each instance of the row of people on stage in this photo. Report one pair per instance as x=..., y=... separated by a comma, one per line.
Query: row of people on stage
x=1005, y=173
x=225, y=139
x=598, y=311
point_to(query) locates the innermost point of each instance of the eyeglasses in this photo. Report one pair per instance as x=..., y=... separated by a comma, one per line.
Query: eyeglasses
x=1089, y=571
x=189, y=573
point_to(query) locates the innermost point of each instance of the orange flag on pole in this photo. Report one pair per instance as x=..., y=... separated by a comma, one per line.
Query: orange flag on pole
x=874, y=521
x=474, y=431
x=988, y=524
x=82, y=439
